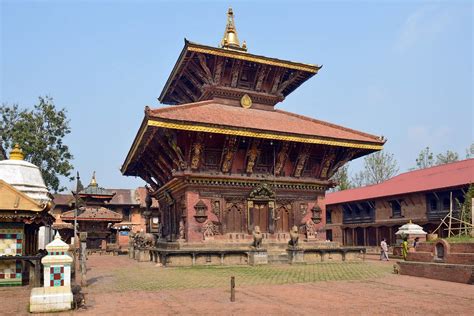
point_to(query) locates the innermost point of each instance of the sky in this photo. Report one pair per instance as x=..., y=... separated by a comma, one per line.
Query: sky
x=401, y=69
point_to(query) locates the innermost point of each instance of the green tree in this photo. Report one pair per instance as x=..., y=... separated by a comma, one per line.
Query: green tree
x=378, y=167
x=467, y=206
x=449, y=156
x=40, y=133
x=470, y=151
x=425, y=159
x=341, y=177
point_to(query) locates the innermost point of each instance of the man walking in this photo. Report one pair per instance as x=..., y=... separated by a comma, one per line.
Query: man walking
x=383, y=250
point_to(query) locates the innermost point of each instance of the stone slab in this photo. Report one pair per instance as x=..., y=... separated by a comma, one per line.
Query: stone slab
x=296, y=256
x=50, y=299
x=258, y=257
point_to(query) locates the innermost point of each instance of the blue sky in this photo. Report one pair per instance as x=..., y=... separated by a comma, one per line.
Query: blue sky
x=402, y=69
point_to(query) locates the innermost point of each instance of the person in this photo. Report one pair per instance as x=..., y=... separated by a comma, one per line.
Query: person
x=405, y=248
x=383, y=250
x=416, y=241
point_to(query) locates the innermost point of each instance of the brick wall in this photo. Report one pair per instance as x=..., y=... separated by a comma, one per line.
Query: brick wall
x=445, y=272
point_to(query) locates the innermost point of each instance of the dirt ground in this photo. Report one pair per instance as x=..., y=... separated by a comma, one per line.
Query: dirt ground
x=385, y=293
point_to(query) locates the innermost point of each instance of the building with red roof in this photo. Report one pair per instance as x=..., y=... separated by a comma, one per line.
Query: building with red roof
x=221, y=159
x=363, y=216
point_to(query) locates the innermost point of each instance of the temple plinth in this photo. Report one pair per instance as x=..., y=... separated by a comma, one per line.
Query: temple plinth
x=221, y=159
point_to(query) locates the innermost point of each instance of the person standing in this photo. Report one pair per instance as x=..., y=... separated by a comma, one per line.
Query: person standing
x=405, y=248
x=383, y=250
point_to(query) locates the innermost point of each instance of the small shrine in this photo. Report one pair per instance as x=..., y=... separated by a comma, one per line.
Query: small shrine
x=24, y=205
x=55, y=295
x=410, y=231
x=93, y=216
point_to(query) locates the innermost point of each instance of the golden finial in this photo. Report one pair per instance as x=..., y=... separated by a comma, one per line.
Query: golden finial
x=16, y=153
x=230, y=39
x=93, y=180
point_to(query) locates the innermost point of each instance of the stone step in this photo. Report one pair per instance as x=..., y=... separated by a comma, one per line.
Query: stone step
x=278, y=258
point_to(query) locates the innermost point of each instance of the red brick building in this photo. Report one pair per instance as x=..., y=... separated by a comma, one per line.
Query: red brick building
x=363, y=216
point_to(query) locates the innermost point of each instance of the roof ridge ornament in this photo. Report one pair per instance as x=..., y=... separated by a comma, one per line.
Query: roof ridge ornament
x=93, y=180
x=231, y=39
x=16, y=153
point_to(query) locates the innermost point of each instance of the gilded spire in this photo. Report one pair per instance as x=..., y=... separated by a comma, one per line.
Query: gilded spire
x=231, y=39
x=93, y=180
x=16, y=153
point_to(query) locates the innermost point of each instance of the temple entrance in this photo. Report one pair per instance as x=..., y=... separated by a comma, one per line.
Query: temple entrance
x=260, y=216
x=283, y=220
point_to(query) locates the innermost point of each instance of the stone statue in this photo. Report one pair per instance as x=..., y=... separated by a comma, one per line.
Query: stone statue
x=144, y=240
x=294, y=236
x=257, y=238
x=310, y=229
x=181, y=229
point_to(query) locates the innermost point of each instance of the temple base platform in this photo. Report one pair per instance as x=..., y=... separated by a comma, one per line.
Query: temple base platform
x=234, y=253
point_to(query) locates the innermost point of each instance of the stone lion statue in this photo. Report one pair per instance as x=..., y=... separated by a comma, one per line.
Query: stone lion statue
x=294, y=236
x=257, y=237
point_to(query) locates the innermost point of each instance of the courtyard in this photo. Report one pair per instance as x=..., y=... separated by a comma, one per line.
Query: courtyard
x=119, y=285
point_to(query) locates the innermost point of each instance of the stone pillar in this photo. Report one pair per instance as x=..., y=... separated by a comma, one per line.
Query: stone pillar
x=56, y=294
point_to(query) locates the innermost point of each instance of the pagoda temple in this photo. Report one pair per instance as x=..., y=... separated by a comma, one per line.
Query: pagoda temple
x=93, y=215
x=221, y=159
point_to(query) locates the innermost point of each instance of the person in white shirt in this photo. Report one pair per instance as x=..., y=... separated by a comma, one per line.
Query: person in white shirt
x=384, y=250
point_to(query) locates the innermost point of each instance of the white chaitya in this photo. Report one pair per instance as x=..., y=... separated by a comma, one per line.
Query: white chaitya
x=410, y=229
x=24, y=176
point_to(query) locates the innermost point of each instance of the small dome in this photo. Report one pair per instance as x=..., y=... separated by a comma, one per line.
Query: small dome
x=25, y=177
x=410, y=228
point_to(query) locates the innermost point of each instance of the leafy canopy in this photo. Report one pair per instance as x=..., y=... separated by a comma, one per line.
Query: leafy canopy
x=40, y=133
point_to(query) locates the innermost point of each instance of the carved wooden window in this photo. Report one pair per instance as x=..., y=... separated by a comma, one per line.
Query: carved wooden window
x=212, y=159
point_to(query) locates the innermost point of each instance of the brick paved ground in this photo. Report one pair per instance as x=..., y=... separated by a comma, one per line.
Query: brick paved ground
x=122, y=286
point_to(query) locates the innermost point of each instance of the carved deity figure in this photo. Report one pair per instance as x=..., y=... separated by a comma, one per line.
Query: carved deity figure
x=300, y=165
x=196, y=159
x=227, y=161
x=181, y=230
x=209, y=230
x=294, y=237
x=257, y=237
x=310, y=229
x=281, y=157
x=252, y=157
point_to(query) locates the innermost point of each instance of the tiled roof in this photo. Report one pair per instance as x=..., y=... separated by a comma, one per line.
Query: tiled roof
x=121, y=197
x=93, y=214
x=213, y=113
x=435, y=178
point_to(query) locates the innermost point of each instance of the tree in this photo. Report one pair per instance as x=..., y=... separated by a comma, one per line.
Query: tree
x=40, y=133
x=450, y=156
x=425, y=159
x=470, y=151
x=341, y=177
x=378, y=167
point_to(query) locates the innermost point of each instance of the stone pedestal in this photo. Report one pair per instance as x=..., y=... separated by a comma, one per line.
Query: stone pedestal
x=295, y=256
x=136, y=254
x=131, y=252
x=258, y=257
x=56, y=294
x=144, y=255
x=50, y=299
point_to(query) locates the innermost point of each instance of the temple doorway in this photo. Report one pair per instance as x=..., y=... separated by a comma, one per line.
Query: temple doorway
x=260, y=216
x=283, y=220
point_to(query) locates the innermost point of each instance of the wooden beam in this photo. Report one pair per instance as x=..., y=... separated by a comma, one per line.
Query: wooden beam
x=276, y=80
x=152, y=170
x=253, y=152
x=291, y=79
x=236, y=68
x=203, y=63
x=262, y=74
x=281, y=158
x=301, y=160
x=228, y=153
x=192, y=78
x=218, y=69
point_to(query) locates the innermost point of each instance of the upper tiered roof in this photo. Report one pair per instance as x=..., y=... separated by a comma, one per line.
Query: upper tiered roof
x=204, y=72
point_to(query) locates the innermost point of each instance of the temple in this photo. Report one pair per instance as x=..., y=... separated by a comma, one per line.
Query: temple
x=222, y=160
